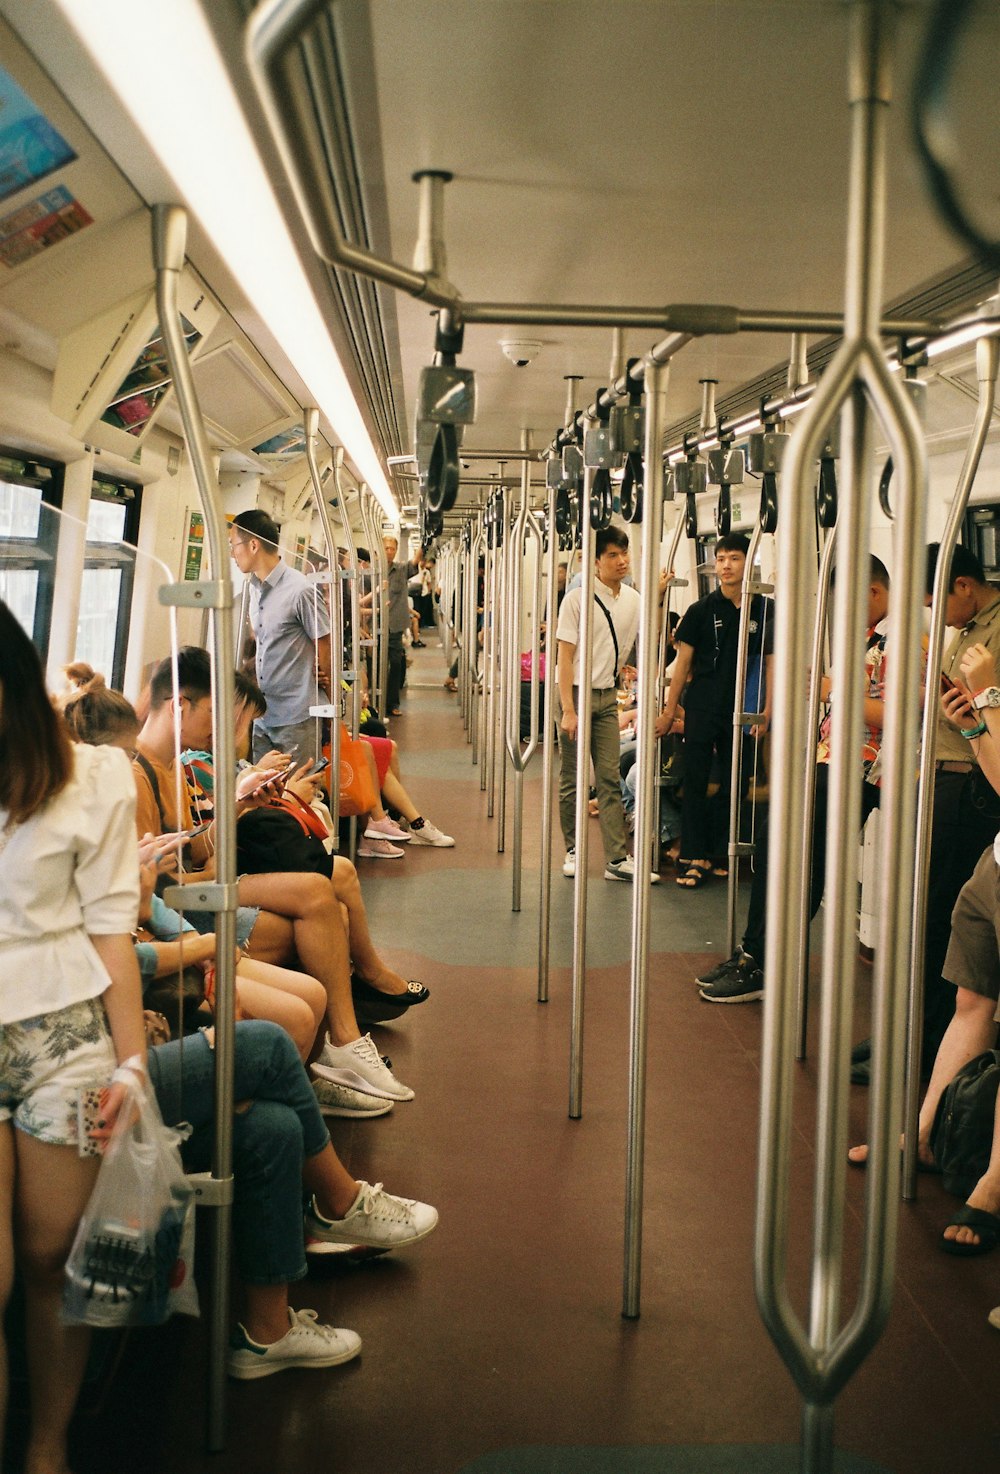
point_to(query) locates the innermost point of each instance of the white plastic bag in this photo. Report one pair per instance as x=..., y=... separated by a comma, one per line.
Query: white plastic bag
x=132, y=1260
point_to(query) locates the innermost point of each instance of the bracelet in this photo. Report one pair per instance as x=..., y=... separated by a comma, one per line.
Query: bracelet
x=973, y=731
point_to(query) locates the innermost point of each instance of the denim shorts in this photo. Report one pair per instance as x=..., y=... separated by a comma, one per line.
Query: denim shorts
x=207, y=921
x=45, y=1063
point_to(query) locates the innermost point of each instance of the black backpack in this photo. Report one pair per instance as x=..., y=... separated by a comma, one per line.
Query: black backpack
x=962, y=1134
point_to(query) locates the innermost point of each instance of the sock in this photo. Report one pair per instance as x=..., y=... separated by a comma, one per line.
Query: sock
x=418, y=822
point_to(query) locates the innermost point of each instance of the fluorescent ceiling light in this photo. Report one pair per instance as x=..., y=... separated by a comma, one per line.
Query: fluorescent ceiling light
x=162, y=62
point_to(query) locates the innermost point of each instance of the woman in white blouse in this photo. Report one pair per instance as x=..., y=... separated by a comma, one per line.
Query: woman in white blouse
x=70, y=1009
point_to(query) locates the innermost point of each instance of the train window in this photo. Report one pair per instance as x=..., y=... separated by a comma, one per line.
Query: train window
x=108, y=573
x=30, y=494
x=981, y=533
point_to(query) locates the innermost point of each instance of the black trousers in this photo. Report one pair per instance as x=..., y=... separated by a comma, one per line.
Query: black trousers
x=397, y=672
x=708, y=735
x=754, y=938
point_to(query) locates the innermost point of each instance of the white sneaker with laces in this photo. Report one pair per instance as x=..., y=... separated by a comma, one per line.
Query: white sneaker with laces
x=625, y=870
x=359, y=1066
x=378, y=849
x=429, y=833
x=376, y=1218
x=386, y=829
x=305, y=1344
x=341, y=1100
x=569, y=864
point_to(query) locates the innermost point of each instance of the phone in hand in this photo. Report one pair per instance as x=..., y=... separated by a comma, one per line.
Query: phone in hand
x=947, y=684
x=319, y=767
x=198, y=829
x=88, y=1115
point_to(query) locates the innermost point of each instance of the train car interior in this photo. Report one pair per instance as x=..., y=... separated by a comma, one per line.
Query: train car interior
x=484, y=279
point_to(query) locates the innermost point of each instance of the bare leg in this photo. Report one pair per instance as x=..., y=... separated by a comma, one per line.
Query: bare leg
x=265, y=1312
x=377, y=810
x=53, y=1185
x=326, y=1176
x=308, y=902
x=986, y=1193
x=367, y=963
x=7, y=1161
x=971, y=1030
x=395, y=794
x=291, y=999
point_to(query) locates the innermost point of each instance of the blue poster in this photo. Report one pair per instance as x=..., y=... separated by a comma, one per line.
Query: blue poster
x=30, y=147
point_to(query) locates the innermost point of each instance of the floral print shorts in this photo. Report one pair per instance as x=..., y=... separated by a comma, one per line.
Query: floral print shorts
x=45, y=1064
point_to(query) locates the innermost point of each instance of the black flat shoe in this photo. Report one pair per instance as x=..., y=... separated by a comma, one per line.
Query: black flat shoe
x=378, y=1007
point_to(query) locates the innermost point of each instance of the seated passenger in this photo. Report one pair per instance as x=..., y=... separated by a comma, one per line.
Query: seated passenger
x=298, y=916
x=280, y=1145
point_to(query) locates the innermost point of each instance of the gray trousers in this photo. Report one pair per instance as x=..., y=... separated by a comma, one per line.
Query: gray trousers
x=605, y=745
x=298, y=740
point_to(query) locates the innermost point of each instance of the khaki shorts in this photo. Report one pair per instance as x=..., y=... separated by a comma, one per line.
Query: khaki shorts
x=45, y=1063
x=973, y=959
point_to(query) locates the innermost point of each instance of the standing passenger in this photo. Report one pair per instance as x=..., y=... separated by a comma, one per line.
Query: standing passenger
x=616, y=623
x=70, y=1008
x=291, y=623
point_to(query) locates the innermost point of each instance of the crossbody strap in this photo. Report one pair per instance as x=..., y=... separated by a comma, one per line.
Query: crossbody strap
x=147, y=768
x=614, y=638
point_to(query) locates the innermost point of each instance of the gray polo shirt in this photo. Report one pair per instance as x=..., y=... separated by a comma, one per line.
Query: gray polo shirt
x=288, y=616
x=399, y=605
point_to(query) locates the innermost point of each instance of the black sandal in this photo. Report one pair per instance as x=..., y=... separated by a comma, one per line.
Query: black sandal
x=694, y=876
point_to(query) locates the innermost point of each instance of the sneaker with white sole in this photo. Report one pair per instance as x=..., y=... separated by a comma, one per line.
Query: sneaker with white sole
x=341, y=1100
x=625, y=870
x=378, y=849
x=376, y=1218
x=386, y=829
x=744, y=984
x=569, y=864
x=305, y=1344
x=429, y=833
x=359, y=1066
x=722, y=970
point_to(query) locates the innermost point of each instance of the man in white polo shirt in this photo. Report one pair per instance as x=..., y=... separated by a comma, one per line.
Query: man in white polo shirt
x=616, y=623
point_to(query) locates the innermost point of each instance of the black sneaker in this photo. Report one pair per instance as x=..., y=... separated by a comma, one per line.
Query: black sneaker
x=744, y=984
x=721, y=970
x=861, y=1053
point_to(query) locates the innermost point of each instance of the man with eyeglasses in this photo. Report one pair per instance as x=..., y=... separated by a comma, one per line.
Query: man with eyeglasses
x=291, y=625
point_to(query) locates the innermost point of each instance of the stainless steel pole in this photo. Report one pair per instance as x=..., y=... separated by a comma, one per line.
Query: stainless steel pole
x=740, y=717
x=493, y=618
x=169, y=240
x=987, y=358
x=646, y=817
x=380, y=561
x=504, y=666
x=584, y=710
x=548, y=750
x=331, y=711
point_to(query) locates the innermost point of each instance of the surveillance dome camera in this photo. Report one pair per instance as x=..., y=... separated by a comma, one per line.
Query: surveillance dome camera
x=520, y=351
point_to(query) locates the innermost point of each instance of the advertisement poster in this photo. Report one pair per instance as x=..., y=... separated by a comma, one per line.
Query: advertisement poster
x=30, y=148
x=39, y=224
x=195, y=550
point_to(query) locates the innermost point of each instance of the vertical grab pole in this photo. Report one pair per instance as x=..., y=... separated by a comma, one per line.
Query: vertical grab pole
x=512, y=728
x=646, y=816
x=382, y=598
x=169, y=240
x=352, y=576
x=472, y=657
x=736, y=849
x=503, y=670
x=823, y=1361
x=376, y=682
x=584, y=696
x=987, y=358
x=809, y=797
x=548, y=750
x=519, y=758
x=491, y=621
x=311, y=419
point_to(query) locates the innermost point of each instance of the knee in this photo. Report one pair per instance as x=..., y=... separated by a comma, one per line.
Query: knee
x=267, y=1142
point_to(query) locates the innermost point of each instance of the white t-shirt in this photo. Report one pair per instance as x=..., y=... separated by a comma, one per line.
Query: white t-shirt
x=624, y=612
x=72, y=868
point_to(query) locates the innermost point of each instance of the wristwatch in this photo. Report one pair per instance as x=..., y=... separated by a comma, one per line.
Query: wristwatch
x=990, y=696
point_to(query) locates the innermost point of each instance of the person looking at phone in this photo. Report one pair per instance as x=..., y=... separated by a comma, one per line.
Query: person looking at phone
x=291, y=624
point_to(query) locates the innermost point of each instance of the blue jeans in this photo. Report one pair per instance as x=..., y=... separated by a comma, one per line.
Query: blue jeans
x=271, y=1140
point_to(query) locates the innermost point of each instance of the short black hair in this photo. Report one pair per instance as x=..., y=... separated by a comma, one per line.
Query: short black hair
x=609, y=537
x=733, y=542
x=194, y=676
x=878, y=573
x=259, y=525
x=964, y=564
x=362, y=555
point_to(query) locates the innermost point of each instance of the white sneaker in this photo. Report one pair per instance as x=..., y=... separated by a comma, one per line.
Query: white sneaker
x=429, y=833
x=625, y=870
x=305, y=1344
x=378, y=849
x=569, y=864
x=386, y=829
x=341, y=1100
x=375, y=1218
x=359, y=1066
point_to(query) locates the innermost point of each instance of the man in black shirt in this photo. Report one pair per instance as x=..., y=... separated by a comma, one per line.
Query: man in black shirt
x=707, y=641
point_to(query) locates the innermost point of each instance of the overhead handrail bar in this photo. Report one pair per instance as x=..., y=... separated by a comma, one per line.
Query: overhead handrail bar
x=987, y=360
x=816, y=667
x=646, y=815
x=822, y=1361
x=169, y=241
x=581, y=840
x=331, y=711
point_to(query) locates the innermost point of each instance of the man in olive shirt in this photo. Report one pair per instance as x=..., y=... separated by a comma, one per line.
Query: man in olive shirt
x=966, y=809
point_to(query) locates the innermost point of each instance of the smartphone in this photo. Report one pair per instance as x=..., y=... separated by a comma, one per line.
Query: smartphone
x=88, y=1113
x=319, y=767
x=198, y=829
x=947, y=684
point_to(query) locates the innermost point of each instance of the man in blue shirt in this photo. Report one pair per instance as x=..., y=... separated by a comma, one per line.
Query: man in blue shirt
x=291, y=625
